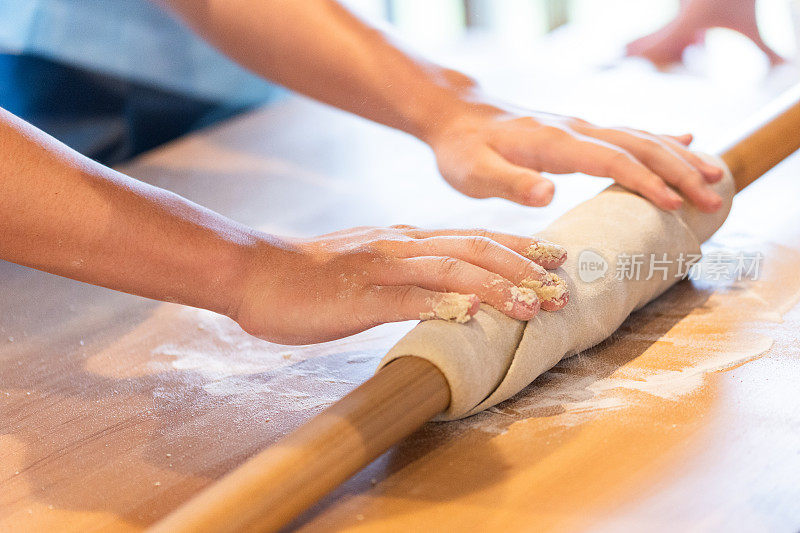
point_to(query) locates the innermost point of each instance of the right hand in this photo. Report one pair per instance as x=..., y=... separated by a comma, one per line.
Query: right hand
x=492, y=151
x=299, y=291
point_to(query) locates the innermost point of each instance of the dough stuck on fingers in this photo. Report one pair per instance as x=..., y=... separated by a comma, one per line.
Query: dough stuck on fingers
x=545, y=253
x=549, y=289
x=453, y=307
x=523, y=295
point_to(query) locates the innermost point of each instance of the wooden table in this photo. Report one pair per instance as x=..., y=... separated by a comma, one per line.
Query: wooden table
x=114, y=409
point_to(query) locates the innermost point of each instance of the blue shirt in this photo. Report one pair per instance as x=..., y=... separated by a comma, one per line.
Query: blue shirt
x=132, y=39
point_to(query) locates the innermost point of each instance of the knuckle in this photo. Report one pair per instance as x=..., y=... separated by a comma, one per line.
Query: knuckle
x=469, y=169
x=448, y=267
x=484, y=233
x=650, y=146
x=554, y=134
x=688, y=179
x=363, y=317
x=576, y=121
x=616, y=162
x=525, y=122
x=387, y=247
x=404, y=297
x=480, y=245
x=359, y=266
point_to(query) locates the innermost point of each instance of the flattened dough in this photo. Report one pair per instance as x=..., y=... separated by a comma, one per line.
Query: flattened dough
x=492, y=357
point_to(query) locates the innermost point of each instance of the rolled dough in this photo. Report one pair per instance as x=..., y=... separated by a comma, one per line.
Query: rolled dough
x=492, y=357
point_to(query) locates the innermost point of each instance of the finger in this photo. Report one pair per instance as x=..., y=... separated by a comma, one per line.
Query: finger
x=664, y=161
x=544, y=253
x=564, y=151
x=384, y=304
x=495, y=176
x=447, y=274
x=547, y=254
x=711, y=173
x=600, y=158
x=479, y=251
x=678, y=143
x=551, y=290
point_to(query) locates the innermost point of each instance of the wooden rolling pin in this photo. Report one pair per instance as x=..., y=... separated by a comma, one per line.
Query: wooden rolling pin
x=268, y=491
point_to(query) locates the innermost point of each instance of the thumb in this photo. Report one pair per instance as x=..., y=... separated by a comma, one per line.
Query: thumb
x=504, y=179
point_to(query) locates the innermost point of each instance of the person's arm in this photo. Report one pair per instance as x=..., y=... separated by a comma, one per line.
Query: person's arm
x=63, y=213
x=320, y=49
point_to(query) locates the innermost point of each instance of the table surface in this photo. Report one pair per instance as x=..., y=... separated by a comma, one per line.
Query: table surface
x=115, y=409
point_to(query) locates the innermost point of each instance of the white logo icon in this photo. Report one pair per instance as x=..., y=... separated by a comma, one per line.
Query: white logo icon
x=591, y=266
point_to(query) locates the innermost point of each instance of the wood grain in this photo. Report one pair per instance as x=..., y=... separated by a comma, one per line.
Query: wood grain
x=770, y=138
x=270, y=490
x=116, y=410
x=279, y=483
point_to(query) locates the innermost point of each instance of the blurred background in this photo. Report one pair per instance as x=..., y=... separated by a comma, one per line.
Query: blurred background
x=92, y=90
x=568, y=56
x=444, y=22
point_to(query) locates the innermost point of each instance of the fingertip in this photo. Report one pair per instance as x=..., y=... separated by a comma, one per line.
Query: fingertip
x=685, y=139
x=475, y=305
x=711, y=173
x=546, y=254
x=541, y=193
x=556, y=304
x=526, y=311
x=712, y=203
x=523, y=303
x=670, y=200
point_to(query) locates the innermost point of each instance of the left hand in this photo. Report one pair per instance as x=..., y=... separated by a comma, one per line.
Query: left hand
x=490, y=152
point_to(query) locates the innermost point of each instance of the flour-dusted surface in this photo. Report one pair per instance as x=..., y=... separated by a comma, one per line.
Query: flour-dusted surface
x=114, y=410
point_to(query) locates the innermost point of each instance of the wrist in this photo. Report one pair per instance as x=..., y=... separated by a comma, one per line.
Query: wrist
x=254, y=267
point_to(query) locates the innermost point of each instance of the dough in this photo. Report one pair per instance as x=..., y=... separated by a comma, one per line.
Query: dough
x=492, y=357
x=453, y=306
x=553, y=290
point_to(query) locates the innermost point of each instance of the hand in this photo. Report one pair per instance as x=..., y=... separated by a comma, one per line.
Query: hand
x=327, y=287
x=488, y=151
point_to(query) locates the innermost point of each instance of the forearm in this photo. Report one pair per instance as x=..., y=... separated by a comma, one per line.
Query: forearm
x=65, y=214
x=320, y=49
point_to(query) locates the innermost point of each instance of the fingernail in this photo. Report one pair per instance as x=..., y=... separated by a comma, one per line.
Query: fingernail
x=525, y=300
x=476, y=304
x=545, y=252
x=550, y=288
x=453, y=307
x=713, y=174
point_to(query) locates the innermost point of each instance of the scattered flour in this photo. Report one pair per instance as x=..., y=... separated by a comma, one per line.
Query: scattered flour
x=579, y=387
x=214, y=354
x=452, y=306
